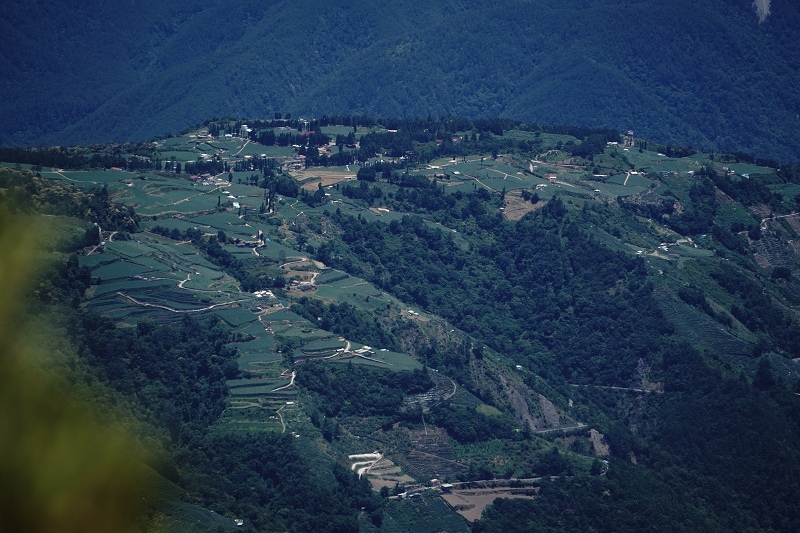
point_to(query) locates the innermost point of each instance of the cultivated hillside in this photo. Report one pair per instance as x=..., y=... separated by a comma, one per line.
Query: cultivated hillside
x=410, y=320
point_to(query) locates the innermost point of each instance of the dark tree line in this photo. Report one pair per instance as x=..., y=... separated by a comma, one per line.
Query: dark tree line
x=347, y=321
x=22, y=192
x=130, y=158
x=359, y=390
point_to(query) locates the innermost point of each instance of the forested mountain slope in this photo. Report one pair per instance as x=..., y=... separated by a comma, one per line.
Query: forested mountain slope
x=708, y=72
x=601, y=333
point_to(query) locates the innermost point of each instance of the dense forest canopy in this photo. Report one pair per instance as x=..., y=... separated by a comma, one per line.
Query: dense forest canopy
x=710, y=73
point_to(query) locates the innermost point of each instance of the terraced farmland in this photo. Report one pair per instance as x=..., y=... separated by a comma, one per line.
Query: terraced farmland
x=444, y=389
x=428, y=454
x=322, y=348
x=698, y=328
x=427, y=513
x=237, y=316
x=257, y=404
x=259, y=354
x=390, y=360
x=256, y=386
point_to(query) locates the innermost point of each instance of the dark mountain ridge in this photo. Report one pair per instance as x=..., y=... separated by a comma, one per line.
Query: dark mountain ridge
x=706, y=73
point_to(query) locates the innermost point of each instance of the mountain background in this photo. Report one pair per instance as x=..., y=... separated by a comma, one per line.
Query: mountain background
x=715, y=74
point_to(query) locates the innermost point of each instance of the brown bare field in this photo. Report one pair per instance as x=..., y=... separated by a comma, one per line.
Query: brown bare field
x=516, y=207
x=427, y=454
x=311, y=178
x=303, y=269
x=303, y=275
x=599, y=443
x=405, y=314
x=386, y=474
x=761, y=210
x=471, y=503
x=794, y=223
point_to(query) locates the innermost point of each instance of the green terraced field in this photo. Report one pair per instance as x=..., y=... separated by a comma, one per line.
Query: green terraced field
x=120, y=270
x=127, y=249
x=256, y=359
x=255, y=382
x=283, y=314
x=126, y=286
x=236, y=317
x=155, y=262
x=389, y=360
x=223, y=220
x=177, y=201
x=95, y=260
x=323, y=345
x=247, y=420
x=426, y=514
x=615, y=189
x=331, y=276
x=174, y=298
x=732, y=213
x=90, y=178
x=169, y=223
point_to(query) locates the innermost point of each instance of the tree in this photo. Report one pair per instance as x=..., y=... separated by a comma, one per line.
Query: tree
x=764, y=379
x=366, y=174
x=782, y=272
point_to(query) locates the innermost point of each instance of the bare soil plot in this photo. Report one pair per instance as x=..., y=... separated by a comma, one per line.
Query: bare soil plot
x=599, y=443
x=470, y=503
x=303, y=269
x=380, y=471
x=386, y=474
x=429, y=455
x=311, y=178
x=444, y=389
x=794, y=223
x=516, y=207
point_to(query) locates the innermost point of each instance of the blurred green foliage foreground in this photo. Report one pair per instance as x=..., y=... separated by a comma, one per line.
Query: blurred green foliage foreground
x=60, y=471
